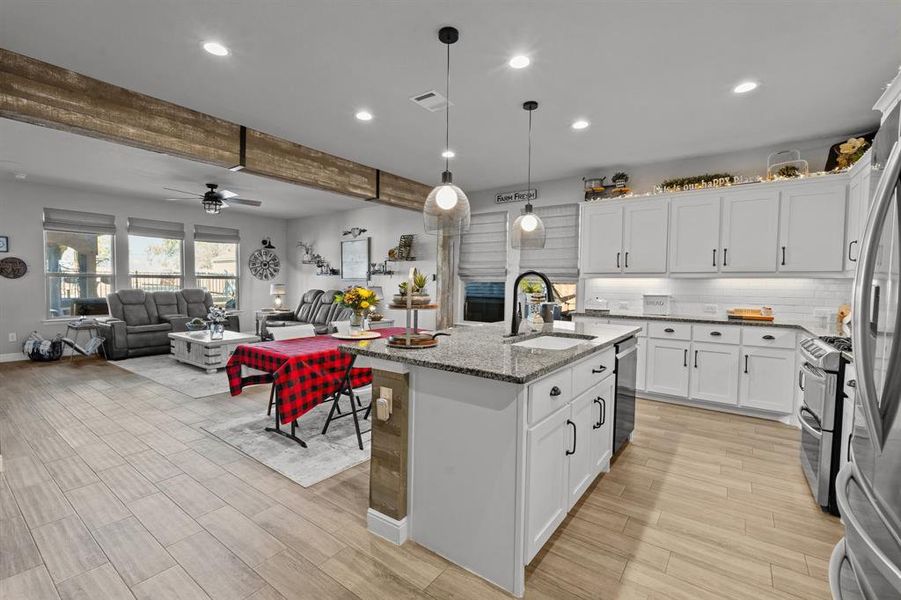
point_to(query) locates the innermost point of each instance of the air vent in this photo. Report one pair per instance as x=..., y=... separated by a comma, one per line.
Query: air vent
x=431, y=101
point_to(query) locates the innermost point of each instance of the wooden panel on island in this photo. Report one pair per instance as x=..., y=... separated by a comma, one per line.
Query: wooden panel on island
x=388, y=465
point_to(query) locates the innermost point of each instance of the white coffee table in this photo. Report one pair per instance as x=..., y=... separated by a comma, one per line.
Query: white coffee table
x=197, y=349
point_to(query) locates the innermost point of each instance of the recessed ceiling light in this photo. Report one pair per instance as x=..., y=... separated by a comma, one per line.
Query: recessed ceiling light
x=744, y=87
x=21, y=176
x=448, y=154
x=364, y=115
x=215, y=48
x=580, y=124
x=520, y=61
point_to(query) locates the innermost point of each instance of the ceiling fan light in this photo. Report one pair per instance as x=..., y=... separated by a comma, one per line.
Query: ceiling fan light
x=212, y=206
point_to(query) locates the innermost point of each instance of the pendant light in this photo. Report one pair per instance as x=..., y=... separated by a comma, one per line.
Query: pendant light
x=528, y=230
x=446, y=210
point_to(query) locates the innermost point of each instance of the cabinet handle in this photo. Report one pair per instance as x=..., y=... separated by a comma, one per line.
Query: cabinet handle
x=801, y=380
x=725, y=255
x=714, y=257
x=746, y=364
x=555, y=391
x=602, y=417
x=617, y=259
x=573, y=451
x=715, y=333
x=696, y=359
x=603, y=411
x=783, y=256
x=600, y=369
x=669, y=330
x=627, y=259
x=769, y=337
x=851, y=245
x=685, y=358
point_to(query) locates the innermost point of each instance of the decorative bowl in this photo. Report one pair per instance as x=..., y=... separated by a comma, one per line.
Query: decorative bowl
x=194, y=326
x=417, y=299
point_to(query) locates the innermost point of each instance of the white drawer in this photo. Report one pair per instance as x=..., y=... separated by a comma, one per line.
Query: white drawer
x=768, y=337
x=630, y=323
x=667, y=330
x=593, y=370
x=717, y=334
x=549, y=394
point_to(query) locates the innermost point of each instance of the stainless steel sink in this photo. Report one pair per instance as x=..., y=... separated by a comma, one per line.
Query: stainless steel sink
x=550, y=342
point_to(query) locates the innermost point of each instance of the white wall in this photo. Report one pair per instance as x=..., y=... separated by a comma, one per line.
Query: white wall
x=643, y=178
x=384, y=225
x=23, y=305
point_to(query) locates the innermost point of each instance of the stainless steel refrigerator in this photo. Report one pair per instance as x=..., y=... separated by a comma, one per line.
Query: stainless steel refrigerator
x=866, y=564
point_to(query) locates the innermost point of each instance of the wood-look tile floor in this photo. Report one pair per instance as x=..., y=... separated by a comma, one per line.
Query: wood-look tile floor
x=110, y=489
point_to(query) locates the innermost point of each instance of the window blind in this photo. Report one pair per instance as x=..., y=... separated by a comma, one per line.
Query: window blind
x=559, y=259
x=61, y=219
x=210, y=233
x=483, y=249
x=154, y=228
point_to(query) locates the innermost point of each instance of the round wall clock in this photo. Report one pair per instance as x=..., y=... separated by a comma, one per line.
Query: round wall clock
x=264, y=264
x=12, y=267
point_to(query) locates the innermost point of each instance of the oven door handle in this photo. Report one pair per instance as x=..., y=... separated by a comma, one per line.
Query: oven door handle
x=806, y=426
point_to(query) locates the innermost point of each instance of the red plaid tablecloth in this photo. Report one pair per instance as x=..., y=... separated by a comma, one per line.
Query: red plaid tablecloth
x=306, y=371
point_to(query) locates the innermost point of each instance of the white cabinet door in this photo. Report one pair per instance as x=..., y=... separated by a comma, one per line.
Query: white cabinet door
x=547, y=482
x=714, y=373
x=768, y=379
x=667, y=367
x=581, y=469
x=750, y=231
x=602, y=238
x=603, y=407
x=854, y=228
x=812, y=227
x=695, y=234
x=645, y=236
x=641, y=364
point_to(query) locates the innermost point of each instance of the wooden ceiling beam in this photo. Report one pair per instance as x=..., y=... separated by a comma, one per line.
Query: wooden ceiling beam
x=43, y=94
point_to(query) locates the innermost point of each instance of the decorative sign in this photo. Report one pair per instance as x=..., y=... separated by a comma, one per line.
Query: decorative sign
x=12, y=267
x=521, y=196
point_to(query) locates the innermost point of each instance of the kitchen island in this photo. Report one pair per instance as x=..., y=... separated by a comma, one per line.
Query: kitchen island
x=491, y=440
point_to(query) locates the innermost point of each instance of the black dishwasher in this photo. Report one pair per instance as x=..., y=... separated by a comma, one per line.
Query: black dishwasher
x=624, y=409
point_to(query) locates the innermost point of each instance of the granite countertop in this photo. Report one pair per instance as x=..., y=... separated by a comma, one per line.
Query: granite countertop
x=483, y=351
x=811, y=327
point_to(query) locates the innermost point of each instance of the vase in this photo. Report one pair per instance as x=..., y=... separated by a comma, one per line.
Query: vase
x=217, y=331
x=356, y=320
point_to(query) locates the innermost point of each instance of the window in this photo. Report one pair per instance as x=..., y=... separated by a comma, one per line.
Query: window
x=484, y=301
x=155, y=255
x=559, y=259
x=79, y=264
x=565, y=295
x=216, y=263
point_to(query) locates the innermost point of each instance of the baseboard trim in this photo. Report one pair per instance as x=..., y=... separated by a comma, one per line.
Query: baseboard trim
x=385, y=527
x=12, y=357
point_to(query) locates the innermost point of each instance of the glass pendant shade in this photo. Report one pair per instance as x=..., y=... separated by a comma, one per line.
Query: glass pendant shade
x=528, y=230
x=446, y=210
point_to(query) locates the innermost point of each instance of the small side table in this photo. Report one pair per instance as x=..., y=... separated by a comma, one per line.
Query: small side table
x=89, y=325
x=263, y=314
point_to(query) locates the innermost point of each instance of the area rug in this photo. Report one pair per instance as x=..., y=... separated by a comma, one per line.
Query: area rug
x=325, y=455
x=168, y=372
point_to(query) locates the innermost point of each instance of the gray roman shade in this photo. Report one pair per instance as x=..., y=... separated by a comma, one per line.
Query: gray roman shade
x=559, y=259
x=483, y=249
x=61, y=219
x=210, y=233
x=154, y=228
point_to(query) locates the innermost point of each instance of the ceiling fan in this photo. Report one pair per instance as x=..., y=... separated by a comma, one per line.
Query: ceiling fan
x=214, y=201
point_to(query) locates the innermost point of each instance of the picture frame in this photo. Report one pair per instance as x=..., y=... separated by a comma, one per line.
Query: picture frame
x=4, y=243
x=355, y=259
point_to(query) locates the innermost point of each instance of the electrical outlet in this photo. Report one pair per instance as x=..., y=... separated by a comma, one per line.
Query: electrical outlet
x=13, y=337
x=386, y=393
x=711, y=309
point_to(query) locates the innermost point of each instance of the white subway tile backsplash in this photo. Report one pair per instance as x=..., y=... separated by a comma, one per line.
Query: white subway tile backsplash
x=796, y=298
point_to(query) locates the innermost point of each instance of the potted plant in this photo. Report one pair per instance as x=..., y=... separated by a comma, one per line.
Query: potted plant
x=620, y=179
x=216, y=319
x=534, y=289
x=419, y=295
x=359, y=299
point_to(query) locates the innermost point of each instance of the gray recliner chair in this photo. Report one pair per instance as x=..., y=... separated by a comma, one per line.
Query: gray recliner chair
x=317, y=308
x=196, y=303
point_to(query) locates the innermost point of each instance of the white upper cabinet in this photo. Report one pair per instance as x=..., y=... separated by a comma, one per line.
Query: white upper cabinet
x=812, y=227
x=860, y=190
x=750, y=231
x=645, y=236
x=602, y=238
x=695, y=234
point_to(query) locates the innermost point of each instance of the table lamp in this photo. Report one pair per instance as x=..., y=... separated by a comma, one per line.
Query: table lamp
x=277, y=290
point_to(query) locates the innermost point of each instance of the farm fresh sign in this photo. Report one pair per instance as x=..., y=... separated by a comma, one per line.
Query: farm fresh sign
x=521, y=196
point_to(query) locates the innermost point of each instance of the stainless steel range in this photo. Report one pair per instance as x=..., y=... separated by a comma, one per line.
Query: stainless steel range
x=821, y=380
